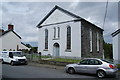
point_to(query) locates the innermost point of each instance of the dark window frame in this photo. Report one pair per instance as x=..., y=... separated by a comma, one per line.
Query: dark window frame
x=68, y=46
x=58, y=32
x=46, y=39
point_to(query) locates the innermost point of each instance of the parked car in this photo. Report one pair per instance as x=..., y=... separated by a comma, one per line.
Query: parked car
x=100, y=67
x=13, y=57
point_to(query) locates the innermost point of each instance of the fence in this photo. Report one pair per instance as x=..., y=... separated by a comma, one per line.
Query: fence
x=35, y=57
x=32, y=57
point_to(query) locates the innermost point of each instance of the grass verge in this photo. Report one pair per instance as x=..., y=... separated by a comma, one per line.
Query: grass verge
x=65, y=60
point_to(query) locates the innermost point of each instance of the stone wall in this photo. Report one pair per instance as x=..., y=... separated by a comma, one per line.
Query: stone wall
x=85, y=40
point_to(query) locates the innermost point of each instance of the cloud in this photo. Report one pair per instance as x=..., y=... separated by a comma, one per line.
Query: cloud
x=26, y=15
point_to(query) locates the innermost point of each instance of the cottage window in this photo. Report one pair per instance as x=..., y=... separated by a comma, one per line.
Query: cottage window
x=46, y=39
x=68, y=37
x=98, y=42
x=91, y=40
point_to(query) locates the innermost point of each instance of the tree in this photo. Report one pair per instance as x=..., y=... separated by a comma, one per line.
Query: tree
x=34, y=49
x=108, y=50
x=28, y=45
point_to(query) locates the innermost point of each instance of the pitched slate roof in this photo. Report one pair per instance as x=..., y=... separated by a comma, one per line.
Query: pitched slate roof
x=65, y=11
x=115, y=33
x=5, y=32
x=24, y=44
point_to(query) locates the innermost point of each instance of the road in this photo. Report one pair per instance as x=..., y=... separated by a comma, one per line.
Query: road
x=26, y=71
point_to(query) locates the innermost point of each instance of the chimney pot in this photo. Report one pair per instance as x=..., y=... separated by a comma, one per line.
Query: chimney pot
x=10, y=27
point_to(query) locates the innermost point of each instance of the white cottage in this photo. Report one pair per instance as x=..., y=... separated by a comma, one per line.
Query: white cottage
x=10, y=40
x=116, y=46
x=64, y=34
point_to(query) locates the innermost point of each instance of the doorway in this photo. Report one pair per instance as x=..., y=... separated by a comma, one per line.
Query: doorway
x=56, y=50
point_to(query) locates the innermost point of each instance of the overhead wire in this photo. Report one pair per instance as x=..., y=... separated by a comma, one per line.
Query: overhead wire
x=105, y=14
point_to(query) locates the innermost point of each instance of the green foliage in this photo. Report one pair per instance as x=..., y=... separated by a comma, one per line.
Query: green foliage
x=65, y=60
x=118, y=65
x=34, y=49
x=46, y=56
x=108, y=50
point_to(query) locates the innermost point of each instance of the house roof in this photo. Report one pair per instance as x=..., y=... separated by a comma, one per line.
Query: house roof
x=115, y=33
x=65, y=11
x=5, y=32
x=24, y=44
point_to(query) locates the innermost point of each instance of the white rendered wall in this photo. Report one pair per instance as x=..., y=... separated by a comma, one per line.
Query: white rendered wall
x=56, y=17
x=115, y=49
x=119, y=48
x=75, y=39
x=0, y=44
x=10, y=41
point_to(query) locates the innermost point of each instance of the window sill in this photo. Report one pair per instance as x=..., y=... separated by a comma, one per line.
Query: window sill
x=45, y=50
x=91, y=52
x=97, y=51
x=68, y=50
x=56, y=38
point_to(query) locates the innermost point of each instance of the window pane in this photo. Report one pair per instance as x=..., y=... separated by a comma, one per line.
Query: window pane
x=54, y=32
x=68, y=37
x=58, y=32
x=98, y=42
x=46, y=39
x=85, y=62
x=90, y=40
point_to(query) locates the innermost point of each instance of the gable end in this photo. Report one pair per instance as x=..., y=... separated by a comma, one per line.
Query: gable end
x=8, y=32
x=59, y=8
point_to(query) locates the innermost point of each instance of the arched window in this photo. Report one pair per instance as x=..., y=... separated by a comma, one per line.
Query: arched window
x=98, y=42
x=46, y=39
x=68, y=37
x=58, y=32
x=54, y=32
x=91, y=40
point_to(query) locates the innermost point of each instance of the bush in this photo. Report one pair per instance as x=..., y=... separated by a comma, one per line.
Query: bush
x=118, y=65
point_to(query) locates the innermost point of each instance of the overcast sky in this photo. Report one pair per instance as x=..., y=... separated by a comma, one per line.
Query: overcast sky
x=26, y=15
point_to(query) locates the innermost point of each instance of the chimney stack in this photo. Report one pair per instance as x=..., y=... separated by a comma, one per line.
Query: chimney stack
x=10, y=27
x=1, y=30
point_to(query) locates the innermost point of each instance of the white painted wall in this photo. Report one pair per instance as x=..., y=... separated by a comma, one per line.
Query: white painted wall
x=116, y=48
x=0, y=44
x=10, y=41
x=75, y=39
x=119, y=48
x=56, y=17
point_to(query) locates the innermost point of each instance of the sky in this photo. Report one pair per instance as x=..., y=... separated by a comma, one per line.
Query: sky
x=26, y=15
